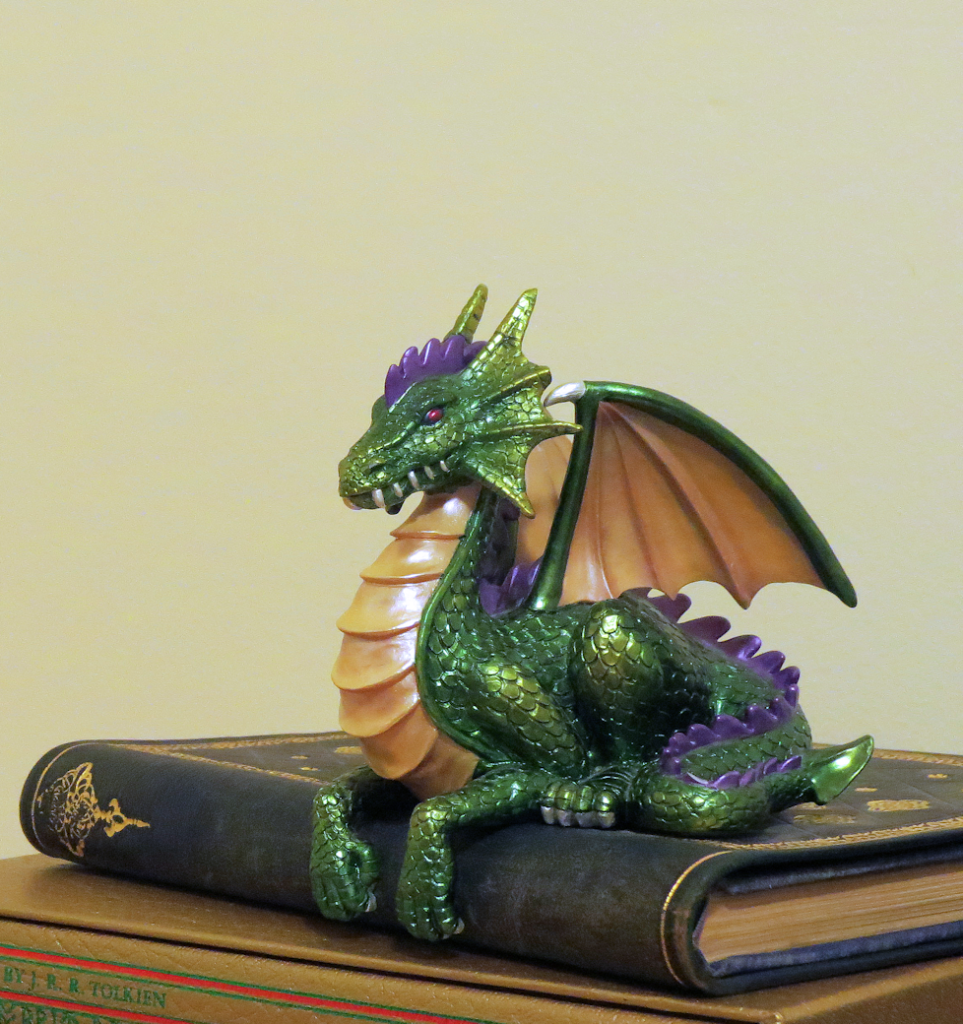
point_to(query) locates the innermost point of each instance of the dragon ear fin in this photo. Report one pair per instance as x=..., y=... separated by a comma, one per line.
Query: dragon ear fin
x=501, y=465
x=467, y=322
x=501, y=462
x=512, y=329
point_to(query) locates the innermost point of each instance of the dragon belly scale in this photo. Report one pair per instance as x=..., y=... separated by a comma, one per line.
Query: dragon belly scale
x=518, y=649
x=375, y=669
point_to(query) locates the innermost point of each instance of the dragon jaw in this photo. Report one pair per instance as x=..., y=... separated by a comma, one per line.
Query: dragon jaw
x=449, y=429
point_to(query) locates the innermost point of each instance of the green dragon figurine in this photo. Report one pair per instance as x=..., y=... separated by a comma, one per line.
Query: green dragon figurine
x=504, y=656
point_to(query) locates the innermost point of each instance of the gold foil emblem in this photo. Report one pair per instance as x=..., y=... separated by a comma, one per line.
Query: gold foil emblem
x=824, y=818
x=885, y=806
x=74, y=811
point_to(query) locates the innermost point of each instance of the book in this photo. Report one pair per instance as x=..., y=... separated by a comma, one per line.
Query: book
x=82, y=947
x=872, y=880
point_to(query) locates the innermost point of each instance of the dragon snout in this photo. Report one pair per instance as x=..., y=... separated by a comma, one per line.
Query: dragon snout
x=368, y=483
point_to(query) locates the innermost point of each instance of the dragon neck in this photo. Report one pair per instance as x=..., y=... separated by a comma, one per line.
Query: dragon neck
x=473, y=561
x=454, y=625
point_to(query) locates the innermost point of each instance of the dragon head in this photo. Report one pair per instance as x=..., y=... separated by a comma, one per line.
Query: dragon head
x=456, y=412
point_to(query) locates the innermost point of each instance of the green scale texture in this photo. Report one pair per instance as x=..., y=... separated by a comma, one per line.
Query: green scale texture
x=567, y=707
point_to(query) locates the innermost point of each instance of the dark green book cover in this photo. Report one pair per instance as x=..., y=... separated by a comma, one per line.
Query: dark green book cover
x=233, y=816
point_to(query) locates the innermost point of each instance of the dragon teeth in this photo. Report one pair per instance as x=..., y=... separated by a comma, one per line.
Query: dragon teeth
x=444, y=466
x=378, y=498
x=429, y=472
x=414, y=479
x=398, y=489
x=352, y=505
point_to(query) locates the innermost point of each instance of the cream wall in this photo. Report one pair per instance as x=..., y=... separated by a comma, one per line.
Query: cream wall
x=220, y=223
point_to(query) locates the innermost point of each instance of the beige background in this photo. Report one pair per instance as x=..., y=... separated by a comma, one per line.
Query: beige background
x=221, y=222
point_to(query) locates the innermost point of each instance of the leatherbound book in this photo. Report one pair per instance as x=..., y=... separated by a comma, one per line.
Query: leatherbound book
x=82, y=947
x=872, y=880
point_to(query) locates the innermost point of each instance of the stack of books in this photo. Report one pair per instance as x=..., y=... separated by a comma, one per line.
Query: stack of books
x=561, y=924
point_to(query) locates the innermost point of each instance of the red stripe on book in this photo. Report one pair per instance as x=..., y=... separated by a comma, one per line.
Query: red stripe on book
x=96, y=1011
x=372, y=1010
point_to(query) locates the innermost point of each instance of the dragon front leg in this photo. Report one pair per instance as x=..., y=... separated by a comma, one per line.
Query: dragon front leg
x=424, y=901
x=343, y=867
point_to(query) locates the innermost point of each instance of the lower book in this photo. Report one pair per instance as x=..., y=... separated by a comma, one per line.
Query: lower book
x=872, y=880
x=81, y=947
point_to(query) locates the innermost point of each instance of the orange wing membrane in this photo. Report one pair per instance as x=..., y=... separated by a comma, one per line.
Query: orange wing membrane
x=663, y=507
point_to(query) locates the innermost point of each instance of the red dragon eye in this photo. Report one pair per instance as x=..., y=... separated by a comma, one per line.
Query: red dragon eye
x=433, y=416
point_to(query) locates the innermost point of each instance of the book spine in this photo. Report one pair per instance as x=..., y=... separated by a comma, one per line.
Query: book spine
x=179, y=820
x=52, y=975
x=592, y=900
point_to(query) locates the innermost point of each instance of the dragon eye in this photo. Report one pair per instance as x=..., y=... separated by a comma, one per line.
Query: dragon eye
x=433, y=416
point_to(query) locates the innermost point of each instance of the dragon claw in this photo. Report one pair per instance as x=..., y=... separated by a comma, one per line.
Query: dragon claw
x=585, y=804
x=430, y=919
x=342, y=888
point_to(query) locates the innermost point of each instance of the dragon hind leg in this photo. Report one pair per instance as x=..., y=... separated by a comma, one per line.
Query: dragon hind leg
x=625, y=683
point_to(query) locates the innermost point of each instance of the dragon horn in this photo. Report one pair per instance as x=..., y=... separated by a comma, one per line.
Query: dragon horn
x=512, y=329
x=467, y=322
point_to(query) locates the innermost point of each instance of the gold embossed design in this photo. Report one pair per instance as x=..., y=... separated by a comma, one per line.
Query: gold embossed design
x=184, y=751
x=74, y=811
x=824, y=818
x=888, y=806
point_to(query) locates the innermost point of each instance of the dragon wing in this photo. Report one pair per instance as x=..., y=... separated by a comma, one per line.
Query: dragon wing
x=657, y=494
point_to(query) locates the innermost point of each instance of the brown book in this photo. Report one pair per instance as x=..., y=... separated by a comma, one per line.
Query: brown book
x=81, y=947
x=872, y=880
